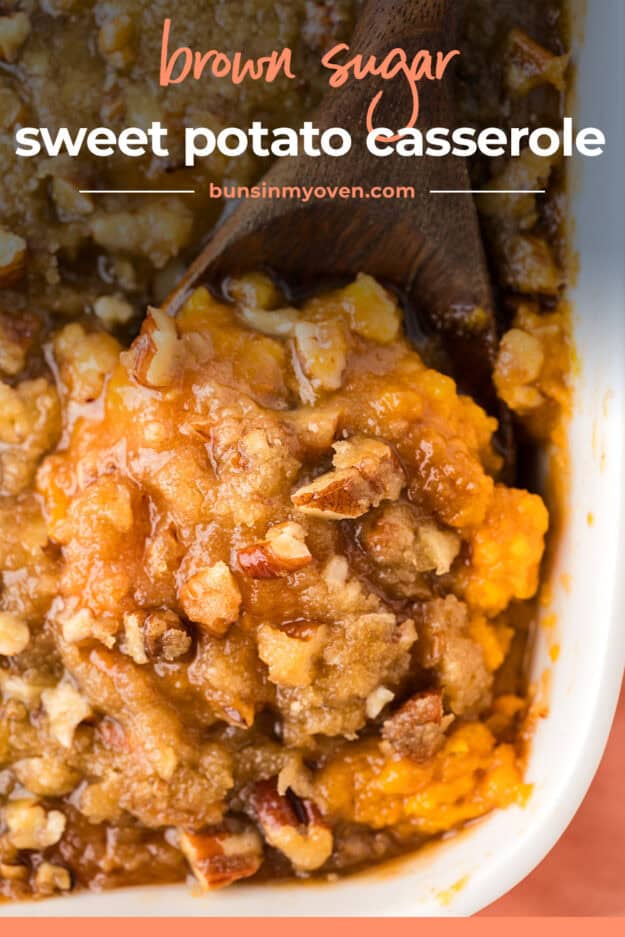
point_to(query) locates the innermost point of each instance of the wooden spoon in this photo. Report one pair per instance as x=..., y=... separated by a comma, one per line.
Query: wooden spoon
x=429, y=247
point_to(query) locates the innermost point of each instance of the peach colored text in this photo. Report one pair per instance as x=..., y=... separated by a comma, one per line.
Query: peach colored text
x=424, y=66
x=183, y=62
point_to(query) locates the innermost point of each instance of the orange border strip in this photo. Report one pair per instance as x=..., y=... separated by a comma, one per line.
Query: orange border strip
x=312, y=927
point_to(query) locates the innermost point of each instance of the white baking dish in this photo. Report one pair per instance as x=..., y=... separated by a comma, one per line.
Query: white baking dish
x=471, y=870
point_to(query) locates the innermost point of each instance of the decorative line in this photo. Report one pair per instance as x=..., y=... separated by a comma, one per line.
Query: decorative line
x=137, y=191
x=488, y=191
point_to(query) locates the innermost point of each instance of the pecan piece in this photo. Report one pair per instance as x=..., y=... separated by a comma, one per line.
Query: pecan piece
x=113, y=310
x=319, y=352
x=14, y=634
x=292, y=825
x=211, y=598
x=529, y=65
x=14, y=872
x=315, y=427
x=447, y=647
x=46, y=775
x=12, y=257
x=223, y=854
x=157, y=635
x=283, y=551
x=71, y=204
x=377, y=700
x=291, y=651
x=116, y=41
x=529, y=265
x=366, y=472
x=403, y=547
x=51, y=878
x=166, y=636
x=418, y=727
x=66, y=709
x=277, y=323
x=155, y=352
x=17, y=336
x=518, y=369
x=14, y=31
x=30, y=826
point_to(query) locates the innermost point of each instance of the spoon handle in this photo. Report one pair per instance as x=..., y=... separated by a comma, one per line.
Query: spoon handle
x=427, y=245
x=423, y=33
x=384, y=21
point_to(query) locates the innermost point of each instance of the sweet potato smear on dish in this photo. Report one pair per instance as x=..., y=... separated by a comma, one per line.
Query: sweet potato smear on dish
x=282, y=579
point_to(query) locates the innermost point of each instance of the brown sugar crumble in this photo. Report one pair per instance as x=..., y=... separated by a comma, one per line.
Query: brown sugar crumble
x=265, y=591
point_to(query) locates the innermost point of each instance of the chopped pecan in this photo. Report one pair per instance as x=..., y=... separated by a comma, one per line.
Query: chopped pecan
x=24, y=693
x=113, y=310
x=155, y=352
x=373, y=312
x=17, y=335
x=447, y=647
x=133, y=643
x=51, y=878
x=277, y=323
x=366, y=472
x=211, y=598
x=290, y=651
x=66, y=709
x=292, y=825
x=519, y=365
x=46, y=776
x=14, y=31
x=85, y=361
x=80, y=624
x=335, y=495
x=283, y=551
x=319, y=357
x=529, y=65
x=440, y=547
x=30, y=826
x=157, y=635
x=529, y=265
x=403, y=547
x=71, y=204
x=316, y=427
x=14, y=634
x=223, y=854
x=166, y=635
x=116, y=41
x=377, y=700
x=113, y=736
x=14, y=872
x=12, y=257
x=418, y=727
x=253, y=291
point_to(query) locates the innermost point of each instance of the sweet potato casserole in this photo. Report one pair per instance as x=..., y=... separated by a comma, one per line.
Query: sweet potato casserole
x=267, y=577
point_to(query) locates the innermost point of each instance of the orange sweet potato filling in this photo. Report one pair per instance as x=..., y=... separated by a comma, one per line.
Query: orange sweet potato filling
x=313, y=519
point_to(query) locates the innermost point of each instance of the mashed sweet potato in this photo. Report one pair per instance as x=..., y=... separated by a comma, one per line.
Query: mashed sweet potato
x=282, y=565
